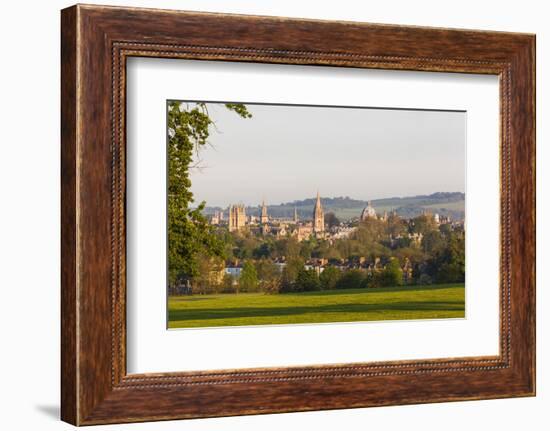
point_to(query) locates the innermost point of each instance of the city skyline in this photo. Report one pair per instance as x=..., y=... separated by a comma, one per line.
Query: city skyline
x=286, y=153
x=263, y=224
x=263, y=199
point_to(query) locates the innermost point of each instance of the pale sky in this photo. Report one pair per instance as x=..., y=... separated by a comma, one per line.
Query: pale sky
x=287, y=153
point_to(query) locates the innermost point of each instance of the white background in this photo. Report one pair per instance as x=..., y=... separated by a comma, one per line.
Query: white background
x=29, y=215
x=151, y=348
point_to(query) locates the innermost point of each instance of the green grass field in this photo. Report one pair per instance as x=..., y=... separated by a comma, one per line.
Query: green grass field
x=391, y=303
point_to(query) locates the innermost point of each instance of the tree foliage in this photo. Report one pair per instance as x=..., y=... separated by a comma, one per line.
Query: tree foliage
x=189, y=234
x=268, y=275
x=329, y=277
x=351, y=279
x=290, y=273
x=248, y=281
x=331, y=220
x=306, y=281
x=423, y=224
x=391, y=275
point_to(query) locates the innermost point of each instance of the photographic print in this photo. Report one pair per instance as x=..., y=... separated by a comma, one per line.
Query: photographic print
x=292, y=208
x=296, y=214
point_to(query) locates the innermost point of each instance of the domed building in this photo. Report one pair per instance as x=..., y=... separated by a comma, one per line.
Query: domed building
x=368, y=212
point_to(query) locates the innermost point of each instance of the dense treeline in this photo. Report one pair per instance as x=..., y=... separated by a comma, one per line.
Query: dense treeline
x=374, y=255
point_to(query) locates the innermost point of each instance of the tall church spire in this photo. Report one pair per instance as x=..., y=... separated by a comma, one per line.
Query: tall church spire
x=318, y=216
x=264, y=218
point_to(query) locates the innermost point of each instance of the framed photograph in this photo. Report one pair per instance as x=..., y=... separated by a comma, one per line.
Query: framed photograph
x=303, y=258
x=279, y=215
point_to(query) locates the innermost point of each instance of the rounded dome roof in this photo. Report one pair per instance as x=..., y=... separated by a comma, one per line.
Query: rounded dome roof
x=368, y=212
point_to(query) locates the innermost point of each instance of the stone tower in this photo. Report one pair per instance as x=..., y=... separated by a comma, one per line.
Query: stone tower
x=295, y=215
x=237, y=217
x=264, y=218
x=318, y=217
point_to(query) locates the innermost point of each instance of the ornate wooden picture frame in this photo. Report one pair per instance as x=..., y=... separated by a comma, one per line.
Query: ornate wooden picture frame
x=96, y=41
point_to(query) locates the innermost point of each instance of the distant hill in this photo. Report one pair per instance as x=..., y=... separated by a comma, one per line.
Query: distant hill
x=346, y=208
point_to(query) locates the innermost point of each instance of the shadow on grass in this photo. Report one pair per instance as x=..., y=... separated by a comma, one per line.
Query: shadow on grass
x=427, y=287
x=188, y=298
x=242, y=312
x=334, y=292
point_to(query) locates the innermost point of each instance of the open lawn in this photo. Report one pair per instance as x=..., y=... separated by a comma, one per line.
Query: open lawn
x=390, y=303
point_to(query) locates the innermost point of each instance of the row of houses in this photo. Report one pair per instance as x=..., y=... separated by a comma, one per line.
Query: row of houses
x=320, y=264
